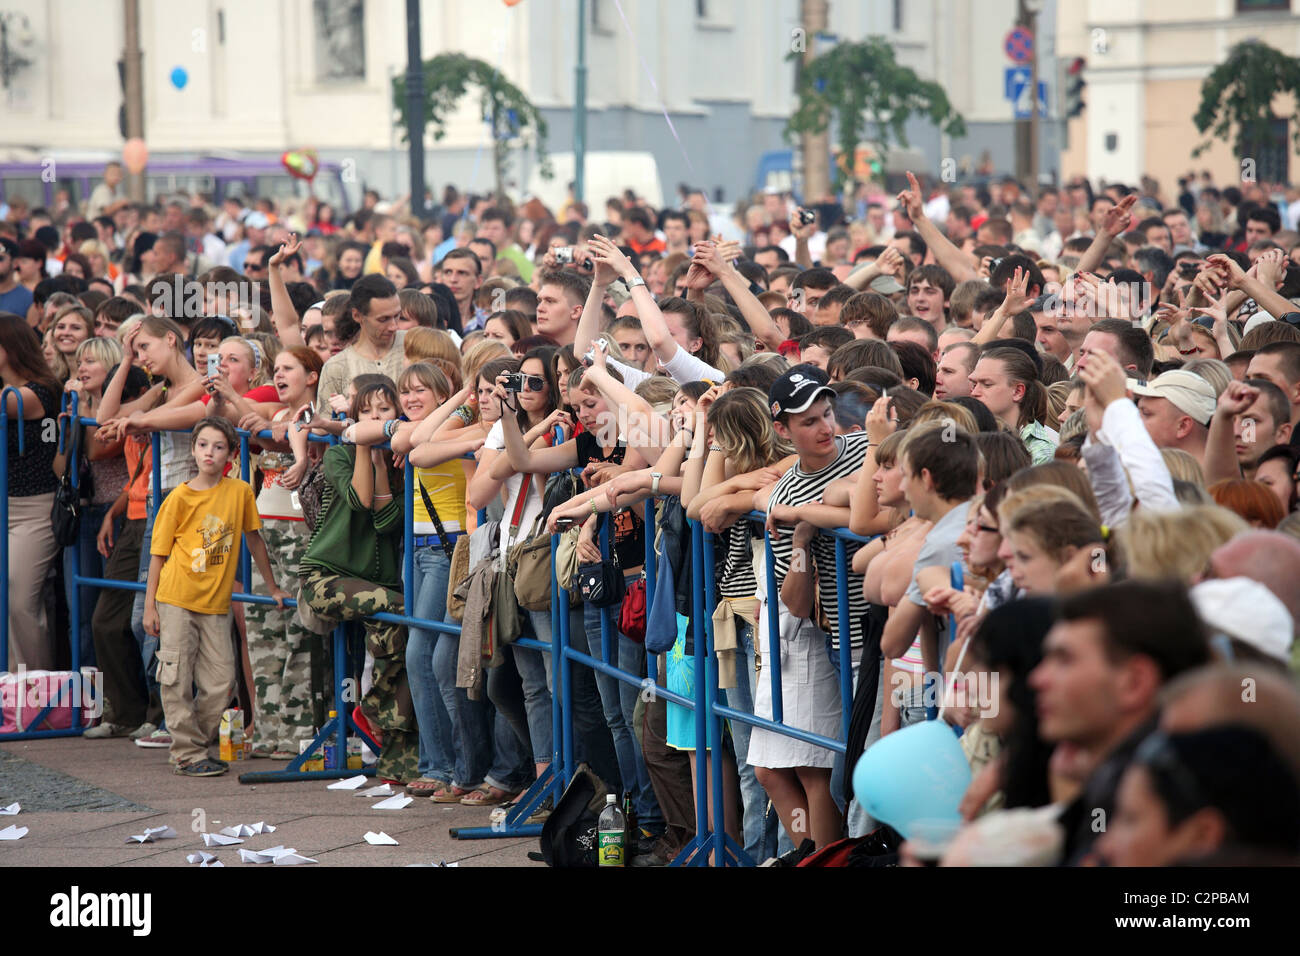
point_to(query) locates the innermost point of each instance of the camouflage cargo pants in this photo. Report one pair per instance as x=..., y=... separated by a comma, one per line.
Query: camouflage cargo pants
x=387, y=705
x=279, y=647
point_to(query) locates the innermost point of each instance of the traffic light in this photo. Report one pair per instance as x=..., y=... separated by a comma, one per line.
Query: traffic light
x=1074, y=84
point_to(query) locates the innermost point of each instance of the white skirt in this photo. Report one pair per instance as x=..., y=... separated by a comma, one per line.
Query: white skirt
x=810, y=690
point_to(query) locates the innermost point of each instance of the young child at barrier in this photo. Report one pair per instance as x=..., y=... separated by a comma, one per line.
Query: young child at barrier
x=195, y=551
x=352, y=570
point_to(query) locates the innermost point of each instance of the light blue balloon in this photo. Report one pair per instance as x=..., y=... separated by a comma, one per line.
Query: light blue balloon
x=914, y=774
x=180, y=77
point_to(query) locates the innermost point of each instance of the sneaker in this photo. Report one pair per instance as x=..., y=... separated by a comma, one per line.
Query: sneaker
x=157, y=740
x=144, y=730
x=106, y=730
x=202, y=768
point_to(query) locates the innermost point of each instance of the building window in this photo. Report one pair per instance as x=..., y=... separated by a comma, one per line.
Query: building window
x=1272, y=155
x=898, y=16
x=340, y=40
x=1255, y=6
x=702, y=9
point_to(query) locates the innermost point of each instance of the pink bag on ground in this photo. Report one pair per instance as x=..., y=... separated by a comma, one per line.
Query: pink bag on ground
x=25, y=694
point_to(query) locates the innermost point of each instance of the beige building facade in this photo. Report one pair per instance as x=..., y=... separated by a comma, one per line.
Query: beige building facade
x=1145, y=63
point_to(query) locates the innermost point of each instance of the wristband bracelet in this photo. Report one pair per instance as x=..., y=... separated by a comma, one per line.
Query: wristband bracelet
x=390, y=427
x=594, y=510
x=381, y=496
x=716, y=447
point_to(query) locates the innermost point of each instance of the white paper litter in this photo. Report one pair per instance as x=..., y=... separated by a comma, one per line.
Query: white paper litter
x=280, y=855
x=380, y=839
x=13, y=832
x=10, y=811
x=248, y=829
x=200, y=857
x=383, y=790
x=351, y=783
x=396, y=802
x=219, y=839
x=152, y=834
x=292, y=859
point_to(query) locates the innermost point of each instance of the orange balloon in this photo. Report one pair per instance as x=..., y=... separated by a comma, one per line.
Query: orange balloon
x=135, y=155
x=511, y=3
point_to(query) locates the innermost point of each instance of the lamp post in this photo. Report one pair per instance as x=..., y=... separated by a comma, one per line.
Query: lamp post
x=580, y=107
x=415, y=106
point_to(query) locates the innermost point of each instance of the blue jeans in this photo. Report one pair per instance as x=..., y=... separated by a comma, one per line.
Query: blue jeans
x=91, y=566
x=471, y=720
x=437, y=752
x=752, y=794
x=512, y=762
x=618, y=702
x=534, y=724
x=148, y=643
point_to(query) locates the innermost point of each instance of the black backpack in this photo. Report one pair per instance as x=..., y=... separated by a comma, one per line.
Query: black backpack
x=569, y=836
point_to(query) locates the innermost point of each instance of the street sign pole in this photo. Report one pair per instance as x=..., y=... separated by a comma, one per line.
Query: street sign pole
x=1033, y=113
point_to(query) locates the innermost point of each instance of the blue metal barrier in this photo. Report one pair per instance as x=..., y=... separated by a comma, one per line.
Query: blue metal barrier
x=708, y=702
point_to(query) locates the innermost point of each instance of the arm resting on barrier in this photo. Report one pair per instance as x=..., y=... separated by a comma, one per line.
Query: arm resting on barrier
x=900, y=630
x=430, y=454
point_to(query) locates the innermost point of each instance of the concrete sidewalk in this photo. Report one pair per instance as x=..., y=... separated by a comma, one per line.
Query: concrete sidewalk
x=82, y=799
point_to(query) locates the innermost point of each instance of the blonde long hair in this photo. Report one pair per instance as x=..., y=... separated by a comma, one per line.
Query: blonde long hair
x=742, y=425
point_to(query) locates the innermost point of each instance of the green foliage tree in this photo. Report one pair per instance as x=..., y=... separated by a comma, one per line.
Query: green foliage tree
x=855, y=83
x=1240, y=92
x=450, y=76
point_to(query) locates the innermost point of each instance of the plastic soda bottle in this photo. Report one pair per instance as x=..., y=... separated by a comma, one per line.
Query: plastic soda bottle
x=611, y=831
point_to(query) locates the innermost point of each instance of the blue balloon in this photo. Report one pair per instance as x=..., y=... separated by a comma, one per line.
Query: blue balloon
x=179, y=77
x=915, y=774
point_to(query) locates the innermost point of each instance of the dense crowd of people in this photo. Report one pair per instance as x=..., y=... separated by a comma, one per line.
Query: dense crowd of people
x=1065, y=422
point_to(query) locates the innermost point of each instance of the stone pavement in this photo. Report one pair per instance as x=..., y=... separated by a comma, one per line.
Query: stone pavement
x=81, y=800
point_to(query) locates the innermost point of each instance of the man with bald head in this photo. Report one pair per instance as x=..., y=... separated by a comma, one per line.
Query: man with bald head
x=1272, y=559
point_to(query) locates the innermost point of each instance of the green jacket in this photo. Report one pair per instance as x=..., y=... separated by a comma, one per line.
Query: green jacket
x=351, y=540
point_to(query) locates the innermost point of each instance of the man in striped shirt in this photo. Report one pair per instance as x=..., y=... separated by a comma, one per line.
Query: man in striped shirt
x=804, y=412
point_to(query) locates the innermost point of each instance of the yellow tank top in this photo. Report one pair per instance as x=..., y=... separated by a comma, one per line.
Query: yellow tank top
x=445, y=485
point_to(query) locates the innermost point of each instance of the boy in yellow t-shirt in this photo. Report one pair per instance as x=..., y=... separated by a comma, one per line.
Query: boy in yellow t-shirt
x=195, y=550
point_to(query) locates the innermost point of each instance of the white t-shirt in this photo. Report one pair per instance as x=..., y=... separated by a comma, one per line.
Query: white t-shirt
x=496, y=440
x=683, y=367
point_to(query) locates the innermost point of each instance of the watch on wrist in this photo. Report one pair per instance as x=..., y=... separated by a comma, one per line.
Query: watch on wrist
x=654, y=482
x=633, y=282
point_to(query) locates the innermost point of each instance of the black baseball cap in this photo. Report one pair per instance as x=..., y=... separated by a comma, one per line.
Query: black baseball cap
x=797, y=389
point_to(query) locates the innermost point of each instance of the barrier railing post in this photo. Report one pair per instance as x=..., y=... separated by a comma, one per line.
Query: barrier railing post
x=773, y=659
x=73, y=453
x=698, y=634
x=844, y=624
x=651, y=660
x=245, y=559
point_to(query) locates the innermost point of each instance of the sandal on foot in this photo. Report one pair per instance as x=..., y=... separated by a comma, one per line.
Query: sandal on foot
x=426, y=787
x=452, y=794
x=487, y=796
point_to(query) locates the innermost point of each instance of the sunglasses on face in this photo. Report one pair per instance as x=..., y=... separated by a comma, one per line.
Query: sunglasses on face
x=534, y=383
